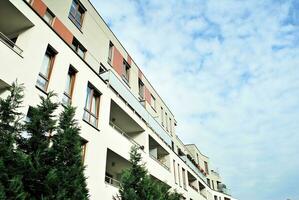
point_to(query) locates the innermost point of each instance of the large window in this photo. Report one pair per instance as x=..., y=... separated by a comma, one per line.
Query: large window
x=126, y=71
x=184, y=178
x=179, y=175
x=79, y=48
x=46, y=69
x=69, y=86
x=77, y=13
x=206, y=167
x=153, y=102
x=166, y=121
x=49, y=17
x=92, y=103
x=162, y=116
x=174, y=172
x=110, y=53
x=141, y=88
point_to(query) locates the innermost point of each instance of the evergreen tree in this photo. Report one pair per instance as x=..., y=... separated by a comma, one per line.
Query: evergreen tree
x=12, y=161
x=39, y=128
x=68, y=166
x=136, y=184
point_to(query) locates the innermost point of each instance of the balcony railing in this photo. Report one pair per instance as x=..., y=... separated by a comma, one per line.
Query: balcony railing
x=126, y=94
x=10, y=44
x=158, y=161
x=194, y=168
x=125, y=134
x=112, y=181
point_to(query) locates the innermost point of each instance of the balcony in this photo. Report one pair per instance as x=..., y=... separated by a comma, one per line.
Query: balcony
x=115, y=164
x=114, y=82
x=12, y=24
x=193, y=167
x=222, y=188
x=158, y=153
x=125, y=125
x=192, y=181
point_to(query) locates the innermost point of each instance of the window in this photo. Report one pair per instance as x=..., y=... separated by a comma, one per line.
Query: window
x=77, y=13
x=48, y=17
x=213, y=185
x=179, y=175
x=215, y=197
x=102, y=68
x=166, y=121
x=69, y=86
x=153, y=102
x=141, y=88
x=110, y=53
x=83, y=149
x=79, y=48
x=209, y=183
x=91, y=110
x=174, y=173
x=184, y=178
x=126, y=71
x=206, y=167
x=46, y=69
x=162, y=116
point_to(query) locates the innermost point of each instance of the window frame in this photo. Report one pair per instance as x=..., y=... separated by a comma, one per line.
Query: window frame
x=76, y=46
x=72, y=17
x=153, y=102
x=48, y=11
x=89, y=112
x=51, y=52
x=69, y=95
x=126, y=68
x=110, y=52
x=141, y=89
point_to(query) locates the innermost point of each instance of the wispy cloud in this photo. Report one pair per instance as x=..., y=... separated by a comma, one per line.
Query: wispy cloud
x=234, y=67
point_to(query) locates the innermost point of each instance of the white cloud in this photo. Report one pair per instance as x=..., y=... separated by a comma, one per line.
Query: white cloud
x=234, y=66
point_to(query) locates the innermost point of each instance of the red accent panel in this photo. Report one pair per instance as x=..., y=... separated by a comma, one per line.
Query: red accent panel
x=129, y=60
x=61, y=29
x=40, y=7
x=117, y=61
x=147, y=95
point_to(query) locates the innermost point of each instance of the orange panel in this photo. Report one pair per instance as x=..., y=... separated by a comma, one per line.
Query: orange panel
x=40, y=7
x=64, y=32
x=117, y=61
x=147, y=95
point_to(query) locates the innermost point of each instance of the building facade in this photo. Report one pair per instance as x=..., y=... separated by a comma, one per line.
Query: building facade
x=66, y=47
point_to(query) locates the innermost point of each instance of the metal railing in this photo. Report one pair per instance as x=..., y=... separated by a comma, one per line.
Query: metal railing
x=112, y=181
x=118, y=129
x=10, y=44
x=194, y=168
x=158, y=161
x=127, y=95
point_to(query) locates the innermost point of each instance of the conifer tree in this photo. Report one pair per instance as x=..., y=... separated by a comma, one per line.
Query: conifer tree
x=12, y=161
x=68, y=166
x=39, y=128
x=136, y=184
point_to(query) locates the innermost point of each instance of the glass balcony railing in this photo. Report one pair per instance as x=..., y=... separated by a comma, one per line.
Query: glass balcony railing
x=126, y=94
x=194, y=168
x=10, y=44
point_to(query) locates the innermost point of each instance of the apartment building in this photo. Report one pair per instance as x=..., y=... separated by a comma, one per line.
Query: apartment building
x=66, y=47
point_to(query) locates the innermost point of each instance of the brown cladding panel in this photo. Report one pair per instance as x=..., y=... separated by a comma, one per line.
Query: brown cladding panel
x=40, y=7
x=117, y=61
x=61, y=29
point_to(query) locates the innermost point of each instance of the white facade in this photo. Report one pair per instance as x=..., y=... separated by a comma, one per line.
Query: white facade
x=124, y=118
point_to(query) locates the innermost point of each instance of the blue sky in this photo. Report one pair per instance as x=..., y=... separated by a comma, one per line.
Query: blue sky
x=229, y=70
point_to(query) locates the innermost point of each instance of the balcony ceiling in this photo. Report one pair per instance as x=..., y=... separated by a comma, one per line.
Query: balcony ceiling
x=12, y=21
